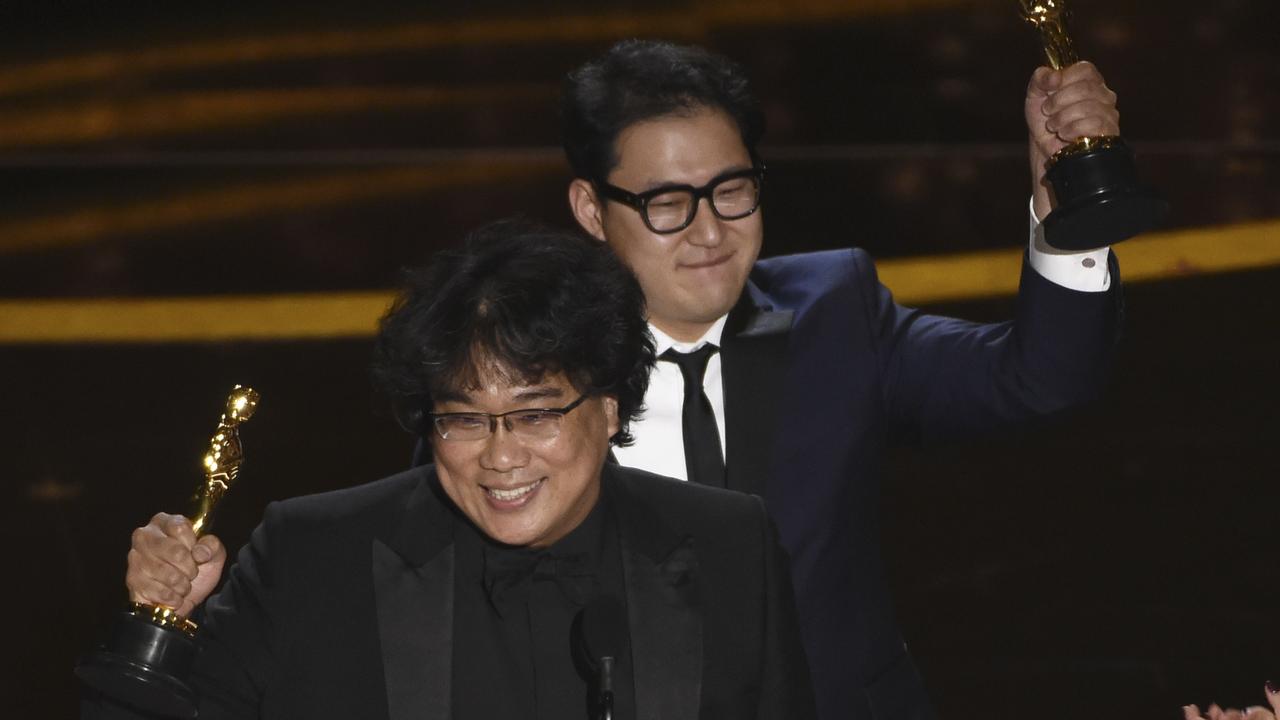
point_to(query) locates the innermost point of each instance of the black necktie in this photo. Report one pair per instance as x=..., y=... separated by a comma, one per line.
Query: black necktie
x=703, y=458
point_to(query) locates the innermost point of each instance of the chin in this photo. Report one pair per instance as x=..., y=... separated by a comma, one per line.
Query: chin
x=713, y=307
x=515, y=537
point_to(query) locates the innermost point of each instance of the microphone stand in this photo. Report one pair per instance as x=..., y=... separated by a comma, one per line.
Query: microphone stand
x=606, y=688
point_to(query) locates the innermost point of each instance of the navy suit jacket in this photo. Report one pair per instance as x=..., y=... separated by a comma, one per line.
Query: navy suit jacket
x=821, y=371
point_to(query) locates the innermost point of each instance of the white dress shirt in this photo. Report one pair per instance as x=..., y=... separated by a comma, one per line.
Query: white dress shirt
x=1087, y=272
x=659, y=433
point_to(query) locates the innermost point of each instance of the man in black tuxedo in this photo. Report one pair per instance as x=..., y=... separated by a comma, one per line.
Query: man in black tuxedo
x=457, y=590
x=787, y=377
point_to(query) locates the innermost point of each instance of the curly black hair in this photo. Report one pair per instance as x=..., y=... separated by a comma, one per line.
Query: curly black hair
x=637, y=80
x=535, y=300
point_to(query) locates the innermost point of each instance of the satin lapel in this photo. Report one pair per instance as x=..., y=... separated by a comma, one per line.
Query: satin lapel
x=659, y=569
x=753, y=357
x=413, y=571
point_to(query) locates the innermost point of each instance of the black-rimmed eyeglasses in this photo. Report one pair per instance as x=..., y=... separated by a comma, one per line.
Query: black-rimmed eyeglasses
x=670, y=208
x=526, y=424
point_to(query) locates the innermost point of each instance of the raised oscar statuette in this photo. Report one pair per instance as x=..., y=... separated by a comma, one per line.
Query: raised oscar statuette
x=148, y=656
x=1100, y=200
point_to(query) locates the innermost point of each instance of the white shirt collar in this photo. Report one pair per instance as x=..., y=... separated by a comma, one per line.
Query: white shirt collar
x=663, y=342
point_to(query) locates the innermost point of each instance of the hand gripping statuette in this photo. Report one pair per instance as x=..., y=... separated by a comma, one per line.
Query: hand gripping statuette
x=1100, y=200
x=147, y=659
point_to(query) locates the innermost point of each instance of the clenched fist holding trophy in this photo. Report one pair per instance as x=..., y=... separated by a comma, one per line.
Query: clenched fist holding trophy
x=1100, y=200
x=173, y=566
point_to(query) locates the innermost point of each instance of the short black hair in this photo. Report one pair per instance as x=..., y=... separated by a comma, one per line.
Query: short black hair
x=637, y=80
x=533, y=299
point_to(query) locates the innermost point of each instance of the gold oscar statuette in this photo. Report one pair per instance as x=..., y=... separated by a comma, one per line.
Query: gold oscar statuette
x=221, y=467
x=146, y=660
x=1050, y=18
x=1100, y=200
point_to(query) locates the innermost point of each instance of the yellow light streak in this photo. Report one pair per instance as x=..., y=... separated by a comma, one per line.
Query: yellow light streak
x=915, y=281
x=688, y=23
x=88, y=225
x=1155, y=256
x=189, y=112
x=200, y=319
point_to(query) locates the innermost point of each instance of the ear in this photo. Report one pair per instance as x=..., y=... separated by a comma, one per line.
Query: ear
x=587, y=208
x=611, y=414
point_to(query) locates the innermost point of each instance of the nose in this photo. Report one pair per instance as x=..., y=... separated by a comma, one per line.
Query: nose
x=503, y=451
x=705, y=230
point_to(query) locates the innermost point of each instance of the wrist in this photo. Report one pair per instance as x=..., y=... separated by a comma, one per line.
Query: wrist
x=1040, y=203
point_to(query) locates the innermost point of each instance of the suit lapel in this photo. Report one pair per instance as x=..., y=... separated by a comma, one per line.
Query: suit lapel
x=413, y=568
x=753, y=356
x=659, y=570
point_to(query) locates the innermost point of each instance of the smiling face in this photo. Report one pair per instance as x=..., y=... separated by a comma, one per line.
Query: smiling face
x=692, y=277
x=526, y=492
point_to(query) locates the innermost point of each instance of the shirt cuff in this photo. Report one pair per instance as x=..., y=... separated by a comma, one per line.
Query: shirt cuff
x=1086, y=271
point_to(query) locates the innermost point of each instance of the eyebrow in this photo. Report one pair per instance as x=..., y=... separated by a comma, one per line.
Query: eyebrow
x=539, y=393
x=657, y=184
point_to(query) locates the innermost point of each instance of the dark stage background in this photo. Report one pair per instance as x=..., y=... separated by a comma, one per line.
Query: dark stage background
x=1118, y=561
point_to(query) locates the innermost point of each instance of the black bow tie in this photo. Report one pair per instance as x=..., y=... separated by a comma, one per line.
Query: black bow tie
x=508, y=574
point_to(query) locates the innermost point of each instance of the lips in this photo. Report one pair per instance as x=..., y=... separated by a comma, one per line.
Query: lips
x=508, y=498
x=712, y=262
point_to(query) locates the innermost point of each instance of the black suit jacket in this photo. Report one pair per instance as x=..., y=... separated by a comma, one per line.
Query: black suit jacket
x=821, y=371
x=341, y=606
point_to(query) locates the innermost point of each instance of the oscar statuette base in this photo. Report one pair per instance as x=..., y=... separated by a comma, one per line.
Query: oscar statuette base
x=144, y=665
x=1100, y=200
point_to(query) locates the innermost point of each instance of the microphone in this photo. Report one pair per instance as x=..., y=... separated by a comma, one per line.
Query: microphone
x=601, y=642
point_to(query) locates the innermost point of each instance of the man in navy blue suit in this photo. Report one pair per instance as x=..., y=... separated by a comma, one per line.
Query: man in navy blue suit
x=787, y=377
